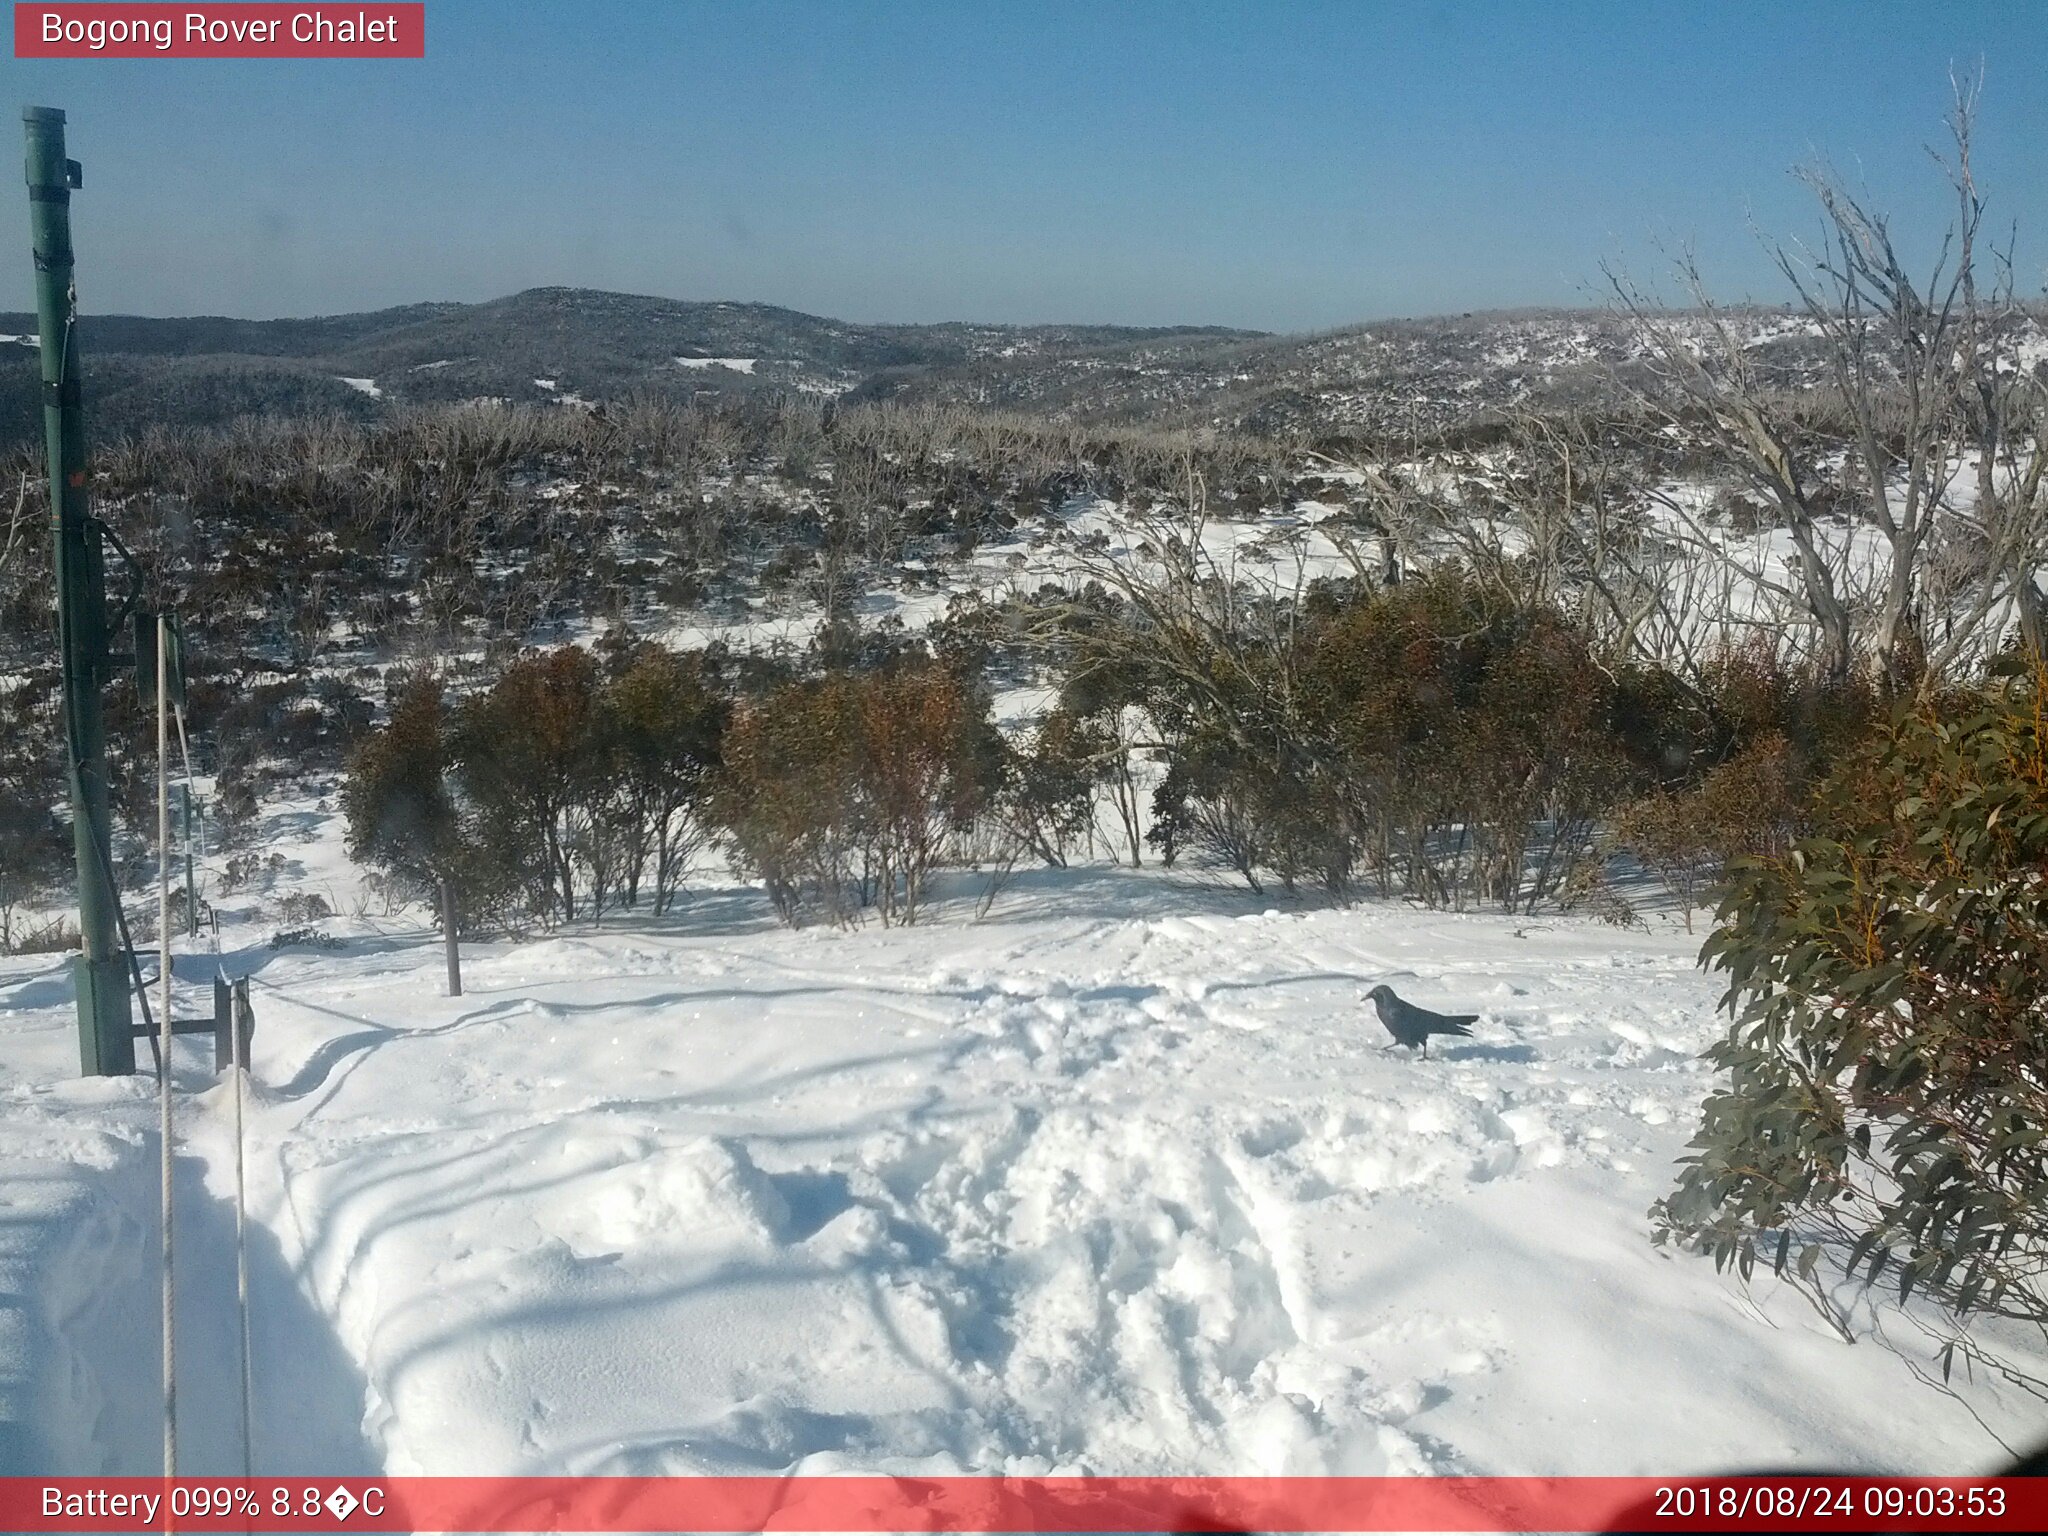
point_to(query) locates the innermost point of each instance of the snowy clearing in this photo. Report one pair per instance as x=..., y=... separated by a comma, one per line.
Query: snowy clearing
x=1118, y=1180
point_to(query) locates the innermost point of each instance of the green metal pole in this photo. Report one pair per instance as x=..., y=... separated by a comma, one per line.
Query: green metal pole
x=106, y=1043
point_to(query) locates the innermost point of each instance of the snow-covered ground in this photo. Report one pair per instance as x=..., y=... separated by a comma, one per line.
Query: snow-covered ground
x=1120, y=1179
x=1117, y=1180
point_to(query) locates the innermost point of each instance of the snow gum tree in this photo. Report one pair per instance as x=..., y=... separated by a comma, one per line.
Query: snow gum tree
x=1915, y=515
x=553, y=793
x=530, y=749
x=662, y=721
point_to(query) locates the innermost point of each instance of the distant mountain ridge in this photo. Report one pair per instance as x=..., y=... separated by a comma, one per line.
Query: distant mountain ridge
x=543, y=344
x=578, y=346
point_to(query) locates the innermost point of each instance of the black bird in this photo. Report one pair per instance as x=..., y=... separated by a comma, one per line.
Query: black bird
x=1410, y=1025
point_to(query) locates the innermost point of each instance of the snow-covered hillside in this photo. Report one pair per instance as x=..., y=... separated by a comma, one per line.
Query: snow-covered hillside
x=1119, y=1179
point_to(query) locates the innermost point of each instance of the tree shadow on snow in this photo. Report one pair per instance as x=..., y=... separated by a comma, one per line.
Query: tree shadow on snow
x=1115, y=891
x=1483, y=1052
x=92, y=1320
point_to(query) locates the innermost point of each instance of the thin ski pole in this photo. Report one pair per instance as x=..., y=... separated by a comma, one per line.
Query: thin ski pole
x=241, y=1069
x=163, y=936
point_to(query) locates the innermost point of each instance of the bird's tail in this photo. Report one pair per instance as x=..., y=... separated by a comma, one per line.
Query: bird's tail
x=1460, y=1023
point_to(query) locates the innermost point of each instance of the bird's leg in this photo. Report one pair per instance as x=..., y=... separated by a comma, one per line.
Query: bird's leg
x=1425, y=1047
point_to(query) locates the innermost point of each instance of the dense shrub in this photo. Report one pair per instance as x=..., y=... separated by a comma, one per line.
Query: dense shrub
x=399, y=805
x=662, y=721
x=530, y=756
x=35, y=843
x=1448, y=740
x=787, y=796
x=1752, y=692
x=1749, y=805
x=1885, y=1108
x=557, y=791
x=1433, y=736
x=1739, y=763
x=931, y=762
x=1048, y=799
x=846, y=791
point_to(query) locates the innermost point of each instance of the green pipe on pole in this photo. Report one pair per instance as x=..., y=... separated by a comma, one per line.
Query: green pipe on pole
x=106, y=1041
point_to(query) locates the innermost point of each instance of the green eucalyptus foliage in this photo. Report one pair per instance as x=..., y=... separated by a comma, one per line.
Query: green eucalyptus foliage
x=1886, y=1107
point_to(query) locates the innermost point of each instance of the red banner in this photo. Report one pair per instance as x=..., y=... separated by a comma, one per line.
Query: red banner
x=215, y=31
x=1003, y=1504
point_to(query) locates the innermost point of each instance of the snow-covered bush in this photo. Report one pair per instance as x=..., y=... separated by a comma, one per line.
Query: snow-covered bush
x=303, y=907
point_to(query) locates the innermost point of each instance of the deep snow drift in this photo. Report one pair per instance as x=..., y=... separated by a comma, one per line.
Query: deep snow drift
x=1121, y=1179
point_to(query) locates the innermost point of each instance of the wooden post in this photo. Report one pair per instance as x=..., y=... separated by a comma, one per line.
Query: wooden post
x=449, y=939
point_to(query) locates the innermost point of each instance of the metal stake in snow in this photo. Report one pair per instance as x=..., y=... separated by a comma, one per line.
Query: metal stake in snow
x=450, y=942
x=163, y=953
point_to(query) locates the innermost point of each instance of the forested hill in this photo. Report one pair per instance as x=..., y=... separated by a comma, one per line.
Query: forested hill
x=1392, y=380
x=545, y=345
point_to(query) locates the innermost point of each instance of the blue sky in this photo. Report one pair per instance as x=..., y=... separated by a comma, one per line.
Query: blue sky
x=1283, y=166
